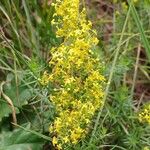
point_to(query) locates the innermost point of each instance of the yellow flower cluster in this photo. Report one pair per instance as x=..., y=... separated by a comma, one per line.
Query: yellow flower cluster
x=146, y=148
x=76, y=74
x=144, y=115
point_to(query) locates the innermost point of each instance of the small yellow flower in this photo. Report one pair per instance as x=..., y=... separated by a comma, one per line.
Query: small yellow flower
x=54, y=141
x=59, y=147
x=146, y=148
x=144, y=115
x=135, y=1
x=66, y=139
x=51, y=128
x=117, y=13
x=74, y=137
x=124, y=6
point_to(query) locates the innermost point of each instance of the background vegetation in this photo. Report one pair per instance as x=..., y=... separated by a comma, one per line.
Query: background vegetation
x=26, y=37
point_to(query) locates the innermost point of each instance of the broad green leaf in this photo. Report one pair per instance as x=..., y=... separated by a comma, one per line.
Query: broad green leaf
x=5, y=109
x=19, y=95
x=20, y=140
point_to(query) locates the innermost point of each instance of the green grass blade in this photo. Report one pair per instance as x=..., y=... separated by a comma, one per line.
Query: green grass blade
x=140, y=28
x=111, y=74
x=34, y=132
x=31, y=28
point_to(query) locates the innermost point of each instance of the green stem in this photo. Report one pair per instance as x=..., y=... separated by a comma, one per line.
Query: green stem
x=110, y=76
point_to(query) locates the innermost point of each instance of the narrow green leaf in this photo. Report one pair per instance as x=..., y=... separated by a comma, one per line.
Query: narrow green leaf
x=140, y=28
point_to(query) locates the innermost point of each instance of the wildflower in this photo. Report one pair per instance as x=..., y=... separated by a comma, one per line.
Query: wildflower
x=135, y=1
x=66, y=139
x=76, y=74
x=59, y=147
x=54, y=141
x=124, y=6
x=44, y=80
x=146, y=148
x=144, y=115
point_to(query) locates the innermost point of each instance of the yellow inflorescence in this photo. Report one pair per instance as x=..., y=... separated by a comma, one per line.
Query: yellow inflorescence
x=144, y=115
x=76, y=78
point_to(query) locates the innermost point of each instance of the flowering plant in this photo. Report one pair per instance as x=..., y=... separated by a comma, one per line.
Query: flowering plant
x=76, y=74
x=144, y=115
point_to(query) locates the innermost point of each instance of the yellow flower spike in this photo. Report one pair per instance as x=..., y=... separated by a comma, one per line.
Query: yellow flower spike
x=76, y=74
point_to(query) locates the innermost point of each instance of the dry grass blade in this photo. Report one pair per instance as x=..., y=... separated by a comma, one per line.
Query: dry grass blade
x=10, y=103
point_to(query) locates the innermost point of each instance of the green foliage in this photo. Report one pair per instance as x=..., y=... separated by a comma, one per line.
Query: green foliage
x=5, y=109
x=18, y=94
x=20, y=140
x=26, y=37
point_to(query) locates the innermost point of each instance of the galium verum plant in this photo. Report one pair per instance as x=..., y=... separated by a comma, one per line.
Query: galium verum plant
x=76, y=74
